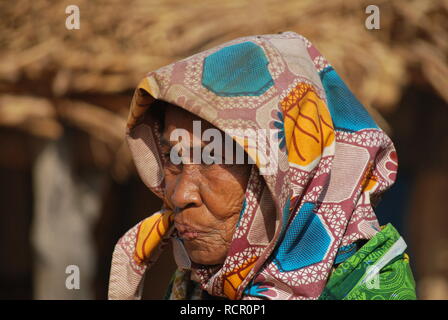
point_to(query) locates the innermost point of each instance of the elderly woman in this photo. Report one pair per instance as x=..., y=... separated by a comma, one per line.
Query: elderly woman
x=292, y=218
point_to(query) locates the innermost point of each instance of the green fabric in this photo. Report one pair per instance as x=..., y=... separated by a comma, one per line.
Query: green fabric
x=395, y=280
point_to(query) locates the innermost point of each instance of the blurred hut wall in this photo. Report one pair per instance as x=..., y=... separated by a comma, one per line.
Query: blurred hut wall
x=67, y=207
x=67, y=176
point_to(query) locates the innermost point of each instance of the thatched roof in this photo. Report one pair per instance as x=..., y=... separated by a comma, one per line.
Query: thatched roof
x=119, y=41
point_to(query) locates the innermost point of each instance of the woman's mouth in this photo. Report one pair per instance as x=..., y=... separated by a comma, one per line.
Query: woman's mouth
x=185, y=232
x=188, y=235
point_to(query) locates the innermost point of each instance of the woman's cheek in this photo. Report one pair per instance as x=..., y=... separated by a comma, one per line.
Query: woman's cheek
x=223, y=207
x=169, y=187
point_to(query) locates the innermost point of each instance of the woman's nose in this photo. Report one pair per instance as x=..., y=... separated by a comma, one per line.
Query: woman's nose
x=186, y=191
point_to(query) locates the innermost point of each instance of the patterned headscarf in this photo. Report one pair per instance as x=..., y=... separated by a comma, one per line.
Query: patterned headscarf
x=295, y=224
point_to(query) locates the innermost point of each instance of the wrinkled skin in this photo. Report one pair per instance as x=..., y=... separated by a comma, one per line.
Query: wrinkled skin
x=206, y=199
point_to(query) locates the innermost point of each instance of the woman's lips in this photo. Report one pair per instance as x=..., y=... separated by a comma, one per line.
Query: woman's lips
x=185, y=232
x=188, y=235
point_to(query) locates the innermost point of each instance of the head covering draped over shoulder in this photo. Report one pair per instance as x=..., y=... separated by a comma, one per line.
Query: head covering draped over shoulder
x=296, y=223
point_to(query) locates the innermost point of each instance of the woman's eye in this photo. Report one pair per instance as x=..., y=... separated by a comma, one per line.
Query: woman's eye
x=167, y=163
x=165, y=152
x=166, y=155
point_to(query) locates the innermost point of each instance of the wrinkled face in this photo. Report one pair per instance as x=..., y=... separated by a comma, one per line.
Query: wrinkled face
x=206, y=198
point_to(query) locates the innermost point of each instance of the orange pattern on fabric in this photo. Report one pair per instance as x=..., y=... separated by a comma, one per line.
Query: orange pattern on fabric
x=233, y=279
x=250, y=147
x=369, y=180
x=150, y=234
x=308, y=125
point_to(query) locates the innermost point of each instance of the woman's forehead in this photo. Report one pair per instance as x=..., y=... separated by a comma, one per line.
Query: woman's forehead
x=178, y=118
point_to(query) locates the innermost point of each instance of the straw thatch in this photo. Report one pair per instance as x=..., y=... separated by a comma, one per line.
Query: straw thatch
x=119, y=41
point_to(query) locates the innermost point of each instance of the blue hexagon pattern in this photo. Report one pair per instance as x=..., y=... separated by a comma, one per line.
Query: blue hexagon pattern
x=306, y=241
x=237, y=70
